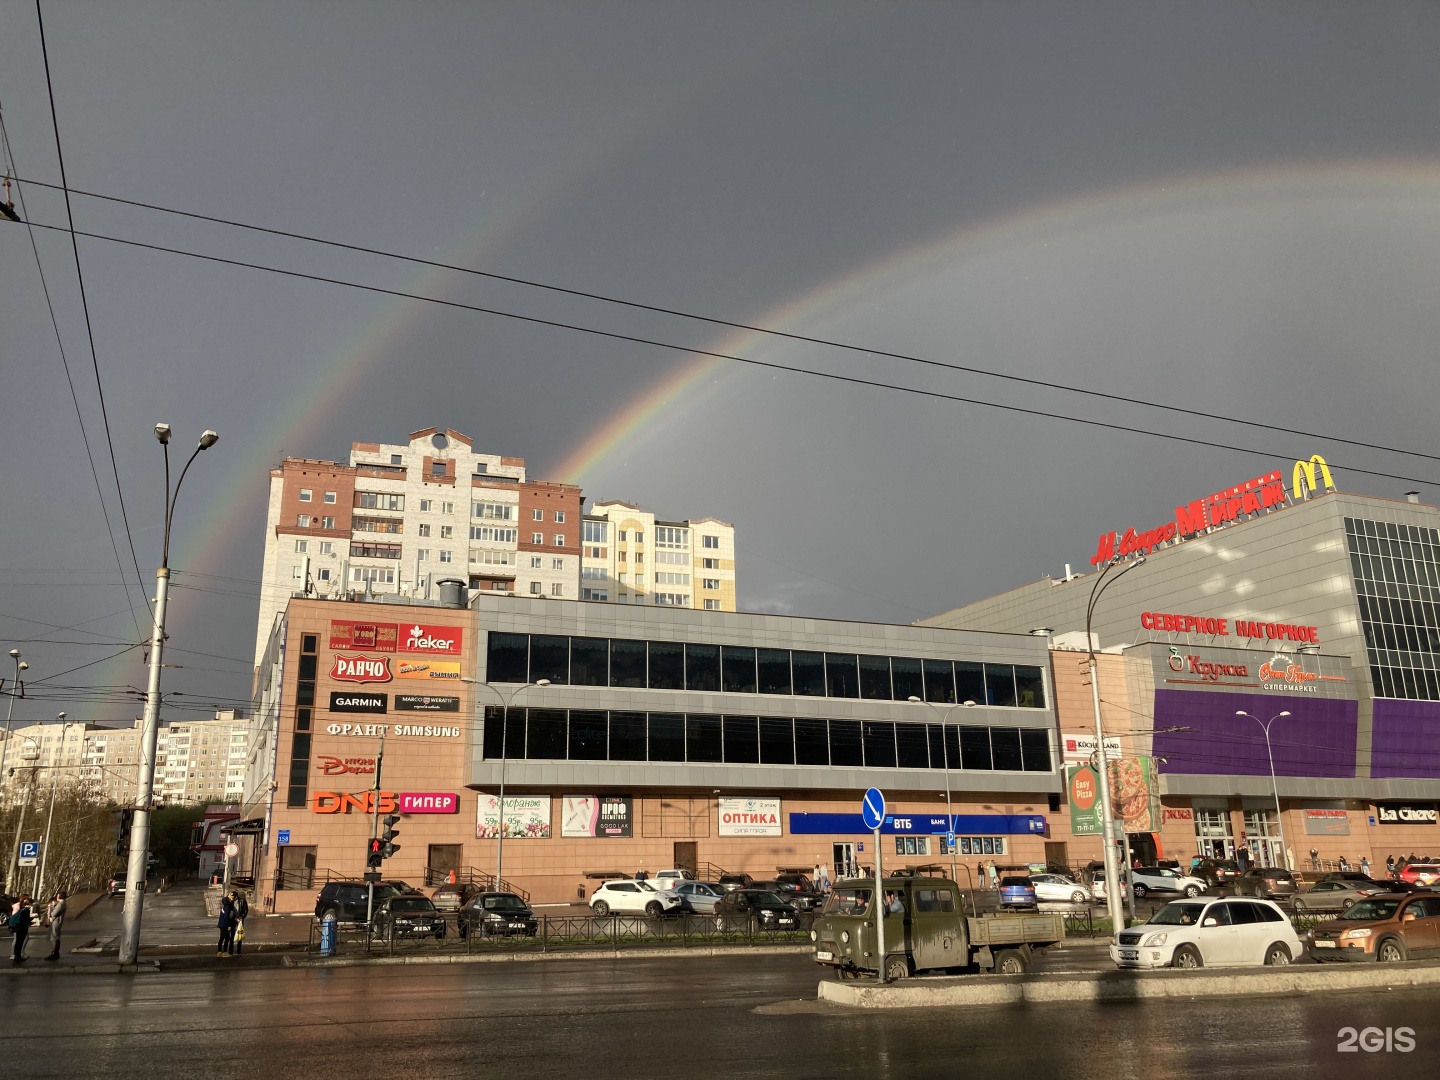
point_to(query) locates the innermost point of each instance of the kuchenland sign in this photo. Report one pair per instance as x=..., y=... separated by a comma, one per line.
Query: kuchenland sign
x=1225, y=507
x=1202, y=667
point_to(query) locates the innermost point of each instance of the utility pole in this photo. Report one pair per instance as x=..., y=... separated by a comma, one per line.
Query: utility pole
x=371, y=875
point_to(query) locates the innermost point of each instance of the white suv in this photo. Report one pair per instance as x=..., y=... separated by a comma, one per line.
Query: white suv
x=1209, y=933
x=1148, y=879
x=632, y=898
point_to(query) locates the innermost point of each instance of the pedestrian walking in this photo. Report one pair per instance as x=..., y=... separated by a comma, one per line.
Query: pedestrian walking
x=1390, y=865
x=19, y=923
x=994, y=876
x=1365, y=865
x=1314, y=858
x=1344, y=863
x=55, y=916
x=226, y=923
x=242, y=909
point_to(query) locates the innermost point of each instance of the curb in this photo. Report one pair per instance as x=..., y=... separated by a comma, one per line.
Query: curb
x=1112, y=986
x=539, y=957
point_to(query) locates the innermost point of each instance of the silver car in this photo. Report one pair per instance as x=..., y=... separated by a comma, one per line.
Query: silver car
x=1058, y=888
x=698, y=897
x=1332, y=896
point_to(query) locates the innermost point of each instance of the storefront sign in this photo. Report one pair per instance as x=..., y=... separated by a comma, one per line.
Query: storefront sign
x=1082, y=747
x=1401, y=813
x=1327, y=823
x=1178, y=813
x=365, y=703
x=592, y=815
x=426, y=703
x=803, y=823
x=1221, y=668
x=361, y=669
x=1083, y=784
x=435, y=640
x=1210, y=626
x=527, y=817
x=429, y=802
x=375, y=731
x=334, y=766
x=750, y=817
x=377, y=637
x=363, y=802
x=1303, y=479
x=428, y=670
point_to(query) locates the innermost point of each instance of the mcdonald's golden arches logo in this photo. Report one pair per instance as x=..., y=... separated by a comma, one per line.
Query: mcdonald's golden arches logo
x=1304, y=481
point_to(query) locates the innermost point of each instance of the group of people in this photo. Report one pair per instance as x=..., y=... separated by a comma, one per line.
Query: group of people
x=233, y=910
x=1393, y=863
x=21, y=917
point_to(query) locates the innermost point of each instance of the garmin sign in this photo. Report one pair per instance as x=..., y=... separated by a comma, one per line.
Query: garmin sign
x=1406, y=813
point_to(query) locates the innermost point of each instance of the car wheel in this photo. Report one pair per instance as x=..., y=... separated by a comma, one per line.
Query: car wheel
x=1191, y=891
x=1278, y=955
x=601, y=908
x=1187, y=958
x=1077, y=897
x=329, y=913
x=653, y=909
x=896, y=968
x=1140, y=892
x=1010, y=962
x=1390, y=951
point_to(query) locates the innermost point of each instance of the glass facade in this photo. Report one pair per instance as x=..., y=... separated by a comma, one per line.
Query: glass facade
x=1397, y=586
x=743, y=669
x=594, y=735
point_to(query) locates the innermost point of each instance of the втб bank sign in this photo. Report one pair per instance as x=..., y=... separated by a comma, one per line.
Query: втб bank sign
x=1264, y=493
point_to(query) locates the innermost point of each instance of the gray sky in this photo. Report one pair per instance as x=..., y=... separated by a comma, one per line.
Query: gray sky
x=1232, y=208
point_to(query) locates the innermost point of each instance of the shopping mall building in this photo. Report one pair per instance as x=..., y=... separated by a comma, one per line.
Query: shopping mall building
x=662, y=737
x=1300, y=607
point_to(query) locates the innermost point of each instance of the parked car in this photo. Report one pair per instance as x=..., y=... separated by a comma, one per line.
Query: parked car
x=632, y=898
x=347, y=900
x=765, y=906
x=806, y=899
x=1147, y=879
x=731, y=882
x=1227, y=932
x=116, y=886
x=1268, y=883
x=495, y=914
x=1094, y=878
x=1060, y=888
x=1403, y=887
x=1421, y=873
x=668, y=879
x=1353, y=877
x=1389, y=928
x=1215, y=872
x=406, y=915
x=453, y=897
x=1334, y=895
x=698, y=897
x=1017, y=892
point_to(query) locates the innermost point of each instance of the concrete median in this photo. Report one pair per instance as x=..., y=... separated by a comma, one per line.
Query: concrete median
x=1112, y=986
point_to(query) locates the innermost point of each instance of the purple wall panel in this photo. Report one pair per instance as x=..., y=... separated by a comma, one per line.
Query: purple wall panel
x=1405, y=739
x=1318, y=739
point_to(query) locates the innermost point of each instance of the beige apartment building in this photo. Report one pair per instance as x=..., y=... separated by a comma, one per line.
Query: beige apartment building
x=631, y=557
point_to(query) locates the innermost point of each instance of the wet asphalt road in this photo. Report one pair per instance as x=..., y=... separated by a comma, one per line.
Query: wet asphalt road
x=720, y=1017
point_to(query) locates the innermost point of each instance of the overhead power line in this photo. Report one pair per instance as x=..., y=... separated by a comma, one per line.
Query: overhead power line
x=730, y=323
x=853, y=380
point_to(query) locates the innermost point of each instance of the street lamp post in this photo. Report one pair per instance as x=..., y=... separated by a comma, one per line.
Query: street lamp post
x=504, y=732
x=1107, y=809
x=150, y=729
x=50, y=817
x=1274, y=784
x=32, y=753
x=945, y=746
x=20, y=665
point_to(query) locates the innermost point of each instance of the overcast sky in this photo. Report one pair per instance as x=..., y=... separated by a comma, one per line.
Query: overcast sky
x=1232, y=208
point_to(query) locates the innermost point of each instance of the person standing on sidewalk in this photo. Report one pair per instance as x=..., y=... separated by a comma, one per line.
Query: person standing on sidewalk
x=1365, y=865
x=226, y=923
x=55, y=916
x=242, y=909
x=19, y=924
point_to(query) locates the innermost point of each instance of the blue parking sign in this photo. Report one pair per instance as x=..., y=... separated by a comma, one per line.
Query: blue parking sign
x=29, y=852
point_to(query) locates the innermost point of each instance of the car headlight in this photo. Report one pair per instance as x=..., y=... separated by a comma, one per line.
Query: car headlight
x=814, y=936
x=845, y=936
x=1153, y=940
x=1356, y=933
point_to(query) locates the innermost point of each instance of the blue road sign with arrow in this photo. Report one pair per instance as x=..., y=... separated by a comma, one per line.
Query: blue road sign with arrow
x=872, y=808
x=29, y=853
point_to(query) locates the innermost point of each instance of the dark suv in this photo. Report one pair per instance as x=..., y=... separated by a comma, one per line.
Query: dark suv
x=793, y=889
x=1216, y=872
x=730, y=882
x=348, y=900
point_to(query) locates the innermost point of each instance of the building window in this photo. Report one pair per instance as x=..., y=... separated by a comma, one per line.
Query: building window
x=302, y=521
x=323, y=573
x=447, y=532
x=447, y=508
x=595, y=594
x=327, y=522
x=494, y=533
x=304, y=494
x=1397, y=582
x=556, y=589
x=621, y=535
x=712, y=605
x=447, y=556
x=327, y=547
x=639, y=580
x=672, y=599
x=493, y=511
x=377, y=525
x=535, y=562
x=396, y=459
x=425, y=505
x=537, y=538
x=639, y=556
x=296, y=572
x=712, y=583
x=559, y=540
x=639, y=537
x=560, y=516
x=437, y=468
x=379, y=500
x=669, y=537
x=710, y=564
x=491, y=557
x=423, y=554
x=710, y=541
x=536, y=589
x=499, y=586
x=620, y=578
x=557, y=564
x=595, y=573
x=595, y=532
x=537, y=514
x=301, y=545
x=329, y=496
x=375, y=551
x=424, y=530
x=377, y=575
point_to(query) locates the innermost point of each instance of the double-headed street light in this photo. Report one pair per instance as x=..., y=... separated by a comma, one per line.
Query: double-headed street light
x=1274, y=786
x=150, y=729
x=945, y=754
x=504, y=731
x=17, y=688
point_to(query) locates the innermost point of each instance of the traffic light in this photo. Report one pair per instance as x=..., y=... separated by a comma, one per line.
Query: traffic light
x=387, y=838
x=376, y=853
x=124, y=819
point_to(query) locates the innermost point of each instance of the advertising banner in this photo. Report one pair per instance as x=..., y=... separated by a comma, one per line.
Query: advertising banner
x=430, y=802
x=1404, y=813
x=426, y=703
x=596, y=815
x=378, y=637
x=435, y=640
x=342, y=701
x=527, y=817
x=750, y=817
x=428, y=670
x=1083, y=784
x=1082, y=747
x=1327, y=823
x=1132, y=794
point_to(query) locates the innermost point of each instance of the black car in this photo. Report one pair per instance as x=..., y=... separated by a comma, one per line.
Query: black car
x=1268, y=883
x=348, y=901
x=406, y=915
x=1216, y=872
x=731, y=882
x=802, y=896
x=1354, y=877
x=496, y=914
x=769, y=910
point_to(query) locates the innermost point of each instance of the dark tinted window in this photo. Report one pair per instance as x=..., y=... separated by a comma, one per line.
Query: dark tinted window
x=912, y=751
x=667, y=665
x=308, y=664
x=970, y=681
x=809, y=673
x=702, y=667
x=777, y=744
x=588, y=740
x=549, y=658
x=739, y=669
x=812, y=742
x=627, y=663
x=842, y=679
x=875, y=678
x=1221, y=914
x=907, y=678
x=1029, y=688
x=1035, y=749
x=589, y=661
x=1268, y=914
x=975, y=748
x=546, y=735
x=939, y=681
x=774, y=671
x=702, y=738
x=1006, y=744
x=742, y=740
x=1242, y=914
x=879, y=745
x=935, y=739
x=506, y=744
x=667, y=737
x=845, y=743
x=999, y=684
x=627, y=736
